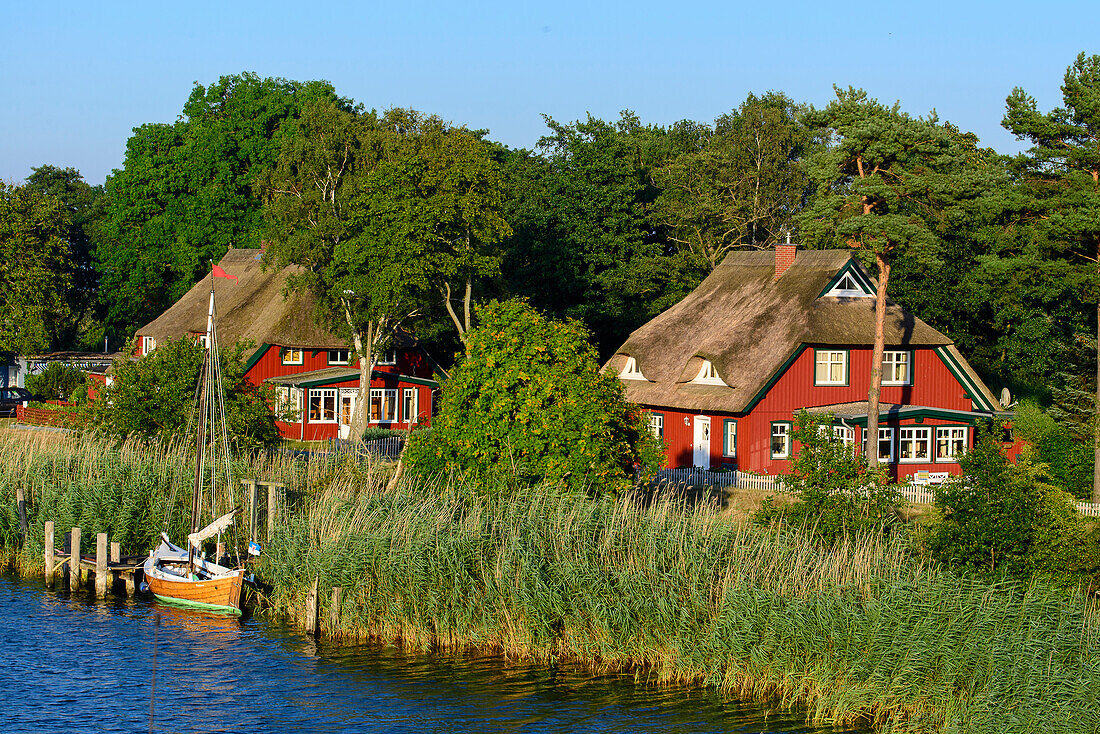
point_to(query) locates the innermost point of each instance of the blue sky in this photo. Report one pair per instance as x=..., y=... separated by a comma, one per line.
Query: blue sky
x=75, y=78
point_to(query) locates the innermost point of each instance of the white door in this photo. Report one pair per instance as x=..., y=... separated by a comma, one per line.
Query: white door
x=346, y=408
x=701, y=453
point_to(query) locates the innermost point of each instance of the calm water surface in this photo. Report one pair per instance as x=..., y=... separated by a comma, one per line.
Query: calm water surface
x=73, y=664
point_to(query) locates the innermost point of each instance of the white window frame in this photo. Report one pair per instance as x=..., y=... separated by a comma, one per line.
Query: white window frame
x=708, y=375
x=381, y=393
x=286, y=355
x=846, y=435
x=955, y=434
x=909, y=434
x=886, y=433
x=657, y=424
x=323, y=396
x=148, y=344
x=890, y=364
x=848, y=287
x=410, y=402
x=203, y=340
x=388, y=357
x=832, y=358
x=630, y=370
x=785, y=435
x=337, y=360
x=288, y=403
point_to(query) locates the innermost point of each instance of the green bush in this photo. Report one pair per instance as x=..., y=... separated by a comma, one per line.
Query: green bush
x=155, y=396
x=59, y=381
x=529, y=402
x=1010, y=519
x=1068, y=459
x=373, y=433
x=836, y=493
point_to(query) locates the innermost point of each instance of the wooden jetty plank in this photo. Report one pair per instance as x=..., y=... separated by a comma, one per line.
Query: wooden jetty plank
x=49, y=554
x=101, y=575
x=74, y=560
x=116, y=552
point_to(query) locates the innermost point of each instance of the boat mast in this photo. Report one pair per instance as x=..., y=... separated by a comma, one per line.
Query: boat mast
x=200, y=440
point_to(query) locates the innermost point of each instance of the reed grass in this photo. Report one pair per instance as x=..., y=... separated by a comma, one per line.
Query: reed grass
x=858, y=632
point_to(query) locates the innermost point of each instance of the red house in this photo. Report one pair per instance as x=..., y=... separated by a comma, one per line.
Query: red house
x=316, y=386
x=723, y=372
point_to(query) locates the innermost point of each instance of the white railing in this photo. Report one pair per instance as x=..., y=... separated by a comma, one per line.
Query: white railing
x=918, y=493
x=1088, y=509
x=389, y=447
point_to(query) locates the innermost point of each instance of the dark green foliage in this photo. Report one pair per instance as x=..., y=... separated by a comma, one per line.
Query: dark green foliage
x=373, y=433
x=156, y=396
x=1067, y=456
x=529, y=401
x=36, y=269
x=837, y=495
x=185, y=193
x=59, y=381
x=1008, y=519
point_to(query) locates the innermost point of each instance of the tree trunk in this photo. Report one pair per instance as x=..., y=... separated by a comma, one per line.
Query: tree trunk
x=462, y=325
x=875, y=389
x=364, y=346
x=1096, y=418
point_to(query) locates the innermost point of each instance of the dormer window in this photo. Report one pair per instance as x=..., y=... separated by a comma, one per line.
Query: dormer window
x=849, y=285
x=708, y=375
x=631, y=371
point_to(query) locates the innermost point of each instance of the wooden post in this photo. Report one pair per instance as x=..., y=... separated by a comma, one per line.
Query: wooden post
x=219, y=552
x=311, y=608
x=334, y=609
x=116, y=552
x=49, y=554
x=101, y=565
x=21, y=509
x=270, y=510
x=74, y=560
x=128, y=577
x=253, y=509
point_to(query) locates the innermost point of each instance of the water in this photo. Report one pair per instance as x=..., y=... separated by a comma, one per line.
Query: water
x=72, y=664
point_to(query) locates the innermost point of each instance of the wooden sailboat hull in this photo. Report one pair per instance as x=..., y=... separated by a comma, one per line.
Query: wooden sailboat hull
x=222, y=594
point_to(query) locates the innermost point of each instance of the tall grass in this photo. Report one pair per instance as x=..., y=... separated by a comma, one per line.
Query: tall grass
x=130, y=489
x=858, y=632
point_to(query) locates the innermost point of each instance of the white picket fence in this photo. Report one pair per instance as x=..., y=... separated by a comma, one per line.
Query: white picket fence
x=921, y=494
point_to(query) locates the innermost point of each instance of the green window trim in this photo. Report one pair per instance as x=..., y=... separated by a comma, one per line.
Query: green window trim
x=847, y=368
x=728, y=451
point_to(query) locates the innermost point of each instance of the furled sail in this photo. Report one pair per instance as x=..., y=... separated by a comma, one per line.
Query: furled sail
x=196, y=538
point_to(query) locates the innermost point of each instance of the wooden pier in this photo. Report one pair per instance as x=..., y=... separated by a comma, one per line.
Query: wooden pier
x=109, y=569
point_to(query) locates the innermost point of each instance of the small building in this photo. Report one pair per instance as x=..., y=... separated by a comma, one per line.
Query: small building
x=723, y=373
x=308, y=365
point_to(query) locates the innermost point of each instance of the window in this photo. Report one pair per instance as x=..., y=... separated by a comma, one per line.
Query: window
x=830, y=367
x=897, y=368
x=708, y=375
x=339, y=356
x=148, y=344
x=631, y=371
x=287, y=403
x=322, y=406
x=203, y=340
x=885, y=445
x=729, y=438
x=388, y=357
x=657, y=424
x=950, y=442
x=291, y=355
x=383, y=405
x=409, y=401
x=781, y=440
x=846, y=435
x=915, y=444
x=848, y=287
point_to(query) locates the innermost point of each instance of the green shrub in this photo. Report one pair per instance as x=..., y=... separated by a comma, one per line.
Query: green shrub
x=1004, y=518
x=529, y=402
x=837, y=493
x=59, y=381
x=373, y=433
x=1068, y=459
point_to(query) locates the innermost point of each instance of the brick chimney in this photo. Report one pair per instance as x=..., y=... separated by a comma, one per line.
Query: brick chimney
x=784, y=258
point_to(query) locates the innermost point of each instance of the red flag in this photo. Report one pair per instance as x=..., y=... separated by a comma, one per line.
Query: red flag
x=219, y=273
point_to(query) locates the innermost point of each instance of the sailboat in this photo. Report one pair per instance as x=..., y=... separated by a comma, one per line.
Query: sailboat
x=182, y=575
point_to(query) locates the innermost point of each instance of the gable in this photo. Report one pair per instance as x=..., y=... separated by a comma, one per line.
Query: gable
x=851, y=281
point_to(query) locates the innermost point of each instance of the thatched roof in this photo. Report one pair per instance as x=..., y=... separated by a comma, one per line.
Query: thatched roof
x=748, y=324
x=251, y=308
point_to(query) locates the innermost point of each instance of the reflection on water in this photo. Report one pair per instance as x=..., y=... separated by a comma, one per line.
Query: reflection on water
x=74, y=664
